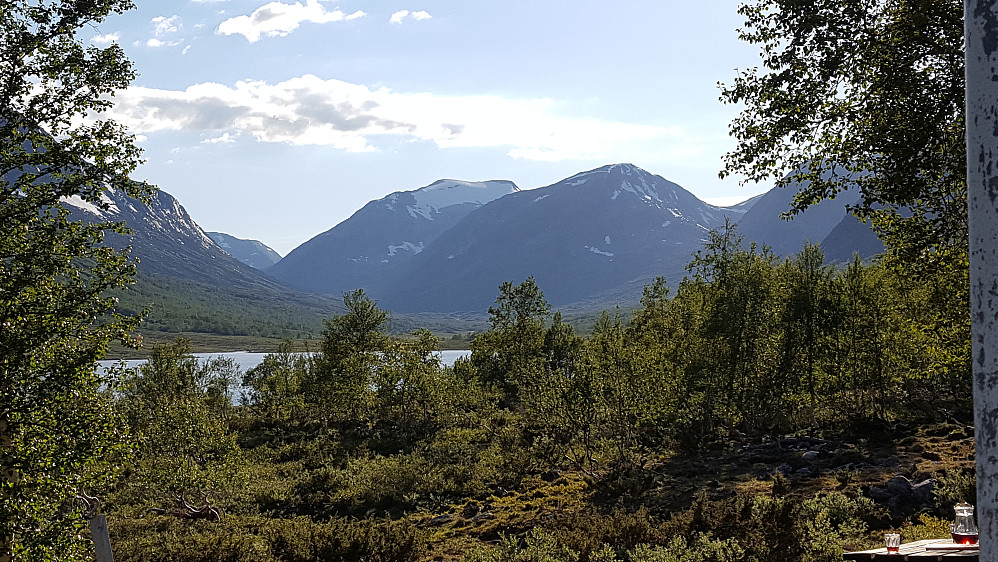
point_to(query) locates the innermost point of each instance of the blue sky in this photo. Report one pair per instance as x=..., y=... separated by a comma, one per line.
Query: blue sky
x=277, y=120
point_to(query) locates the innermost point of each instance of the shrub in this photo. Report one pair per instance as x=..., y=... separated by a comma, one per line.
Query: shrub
x=701, y=549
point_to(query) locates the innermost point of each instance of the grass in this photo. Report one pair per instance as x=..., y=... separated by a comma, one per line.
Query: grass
x=200, y=343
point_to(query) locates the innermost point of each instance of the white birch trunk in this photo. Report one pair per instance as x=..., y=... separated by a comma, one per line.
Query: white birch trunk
x=981, y=28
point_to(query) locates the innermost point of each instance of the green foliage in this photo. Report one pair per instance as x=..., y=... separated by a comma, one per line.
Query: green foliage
x=298, y=539
x=179, y=305
x=511, y=353
x=58, y=283
x=540, y=546
x=762, y=345
x=929, y=528
x=840, y=81
x=866, y=95
x=340, y=382
x=700, y=549
x=537, y=546
x=274, y=387
x=178, y=408
x=953, y=487
x=780, y=528
x=561, y=446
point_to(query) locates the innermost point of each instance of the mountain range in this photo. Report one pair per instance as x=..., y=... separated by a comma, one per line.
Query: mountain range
x=591, y=241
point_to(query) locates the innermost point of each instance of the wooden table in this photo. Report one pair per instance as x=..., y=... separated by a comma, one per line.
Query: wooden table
x=916, y=551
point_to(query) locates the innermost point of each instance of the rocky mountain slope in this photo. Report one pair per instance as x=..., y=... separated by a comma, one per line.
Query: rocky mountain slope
x=592, y=240
x=189, y=282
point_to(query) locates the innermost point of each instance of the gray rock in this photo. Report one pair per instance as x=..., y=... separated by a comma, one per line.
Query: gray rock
x=811, y=455
x=899, y=486
x=784, y=468
x=924, y=491
x=441, y=519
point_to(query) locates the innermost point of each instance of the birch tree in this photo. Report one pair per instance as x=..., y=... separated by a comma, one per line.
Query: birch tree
x=57, y=280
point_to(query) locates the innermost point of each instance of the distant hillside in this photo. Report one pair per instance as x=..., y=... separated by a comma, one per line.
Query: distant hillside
x=439, y=253
x=253, y=253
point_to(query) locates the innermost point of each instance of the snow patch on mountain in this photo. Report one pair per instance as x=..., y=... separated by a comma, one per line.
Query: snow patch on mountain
x=644, y=191
x=79, y=203
x=445, y=193
x=595, y=250
x=406, y=246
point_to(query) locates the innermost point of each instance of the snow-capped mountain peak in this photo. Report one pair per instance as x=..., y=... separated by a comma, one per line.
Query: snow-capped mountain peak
x=446, y=193
x=431, y=199
x=629, y=179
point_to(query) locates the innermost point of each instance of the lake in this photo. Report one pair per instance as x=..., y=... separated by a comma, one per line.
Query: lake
x=246, y=360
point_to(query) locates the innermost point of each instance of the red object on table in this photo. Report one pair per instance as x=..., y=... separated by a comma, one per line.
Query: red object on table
x=932, y=550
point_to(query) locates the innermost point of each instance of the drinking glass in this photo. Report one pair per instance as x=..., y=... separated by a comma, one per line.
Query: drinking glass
x=893, y=541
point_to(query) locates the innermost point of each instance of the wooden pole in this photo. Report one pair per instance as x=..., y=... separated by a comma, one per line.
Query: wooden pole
x=981, y=32
x=102, y=539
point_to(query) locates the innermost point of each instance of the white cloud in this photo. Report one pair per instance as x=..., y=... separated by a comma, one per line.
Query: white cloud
x=163, y=27
x=400, y=16
x=226, y=138
x=157, y=43
x=310, y=111
x=105, y=39
x=277, y=19
x=166, y=25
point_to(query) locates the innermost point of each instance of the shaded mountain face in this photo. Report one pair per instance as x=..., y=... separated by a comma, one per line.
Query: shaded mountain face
x=362, y=251
x=763, y=224
x=602, y=232
x=253, y=253
x=851, y=236
x=189, y=283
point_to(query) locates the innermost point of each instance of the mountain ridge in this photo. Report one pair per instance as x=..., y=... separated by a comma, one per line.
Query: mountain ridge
x=597, y=236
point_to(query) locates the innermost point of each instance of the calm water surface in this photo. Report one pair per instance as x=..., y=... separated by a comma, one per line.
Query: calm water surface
x=245, y=360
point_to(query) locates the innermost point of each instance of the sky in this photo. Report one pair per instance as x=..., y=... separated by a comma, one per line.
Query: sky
x=275, y=121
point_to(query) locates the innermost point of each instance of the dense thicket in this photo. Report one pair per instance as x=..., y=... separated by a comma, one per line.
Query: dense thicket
x=348, y=451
